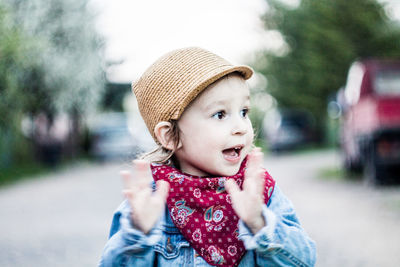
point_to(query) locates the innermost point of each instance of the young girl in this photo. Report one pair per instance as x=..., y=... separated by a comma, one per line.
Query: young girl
x=210, y=202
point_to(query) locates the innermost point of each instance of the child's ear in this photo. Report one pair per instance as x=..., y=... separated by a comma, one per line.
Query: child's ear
x=163, y=133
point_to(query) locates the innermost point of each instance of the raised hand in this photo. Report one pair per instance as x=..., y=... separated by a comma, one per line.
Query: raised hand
x=146, y=206
x=248, y=202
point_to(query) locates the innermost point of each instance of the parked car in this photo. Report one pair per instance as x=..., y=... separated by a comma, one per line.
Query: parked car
x=370, y=128
x=288, y=129
x=113, y=136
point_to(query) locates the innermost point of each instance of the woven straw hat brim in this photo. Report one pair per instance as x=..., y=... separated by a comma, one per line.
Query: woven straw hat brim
x=207, y=80
x=169, y=85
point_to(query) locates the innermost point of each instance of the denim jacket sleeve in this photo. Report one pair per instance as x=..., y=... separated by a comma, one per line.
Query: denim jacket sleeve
x=128, y=246
x=282, y=242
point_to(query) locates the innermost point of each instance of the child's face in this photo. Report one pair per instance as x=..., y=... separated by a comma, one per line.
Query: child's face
x=216, y=133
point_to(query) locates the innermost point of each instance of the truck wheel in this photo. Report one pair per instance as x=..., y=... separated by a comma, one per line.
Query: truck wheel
x=373, y=173
x=350, y=166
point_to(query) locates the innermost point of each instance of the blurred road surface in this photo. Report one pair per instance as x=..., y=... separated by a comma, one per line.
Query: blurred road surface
x=352, y=224
x=63, y=219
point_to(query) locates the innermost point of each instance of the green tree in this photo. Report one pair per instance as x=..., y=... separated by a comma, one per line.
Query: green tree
x=51, y=61
x=14, y=49
x=322, y=38
x=69, y=73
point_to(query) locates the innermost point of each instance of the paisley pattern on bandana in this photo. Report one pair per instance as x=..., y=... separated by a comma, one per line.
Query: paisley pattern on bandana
x=215, y=219
x=176, y=177
x=180, y=213
x=202, y=210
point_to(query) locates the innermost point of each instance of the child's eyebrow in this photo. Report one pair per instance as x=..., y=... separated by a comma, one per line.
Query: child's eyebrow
x=214, y=103
x=221, y=103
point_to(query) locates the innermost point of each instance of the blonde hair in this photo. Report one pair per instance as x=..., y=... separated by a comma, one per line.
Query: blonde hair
x=162, y=155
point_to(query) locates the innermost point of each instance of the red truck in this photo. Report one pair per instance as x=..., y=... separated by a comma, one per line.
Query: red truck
x=370, y=128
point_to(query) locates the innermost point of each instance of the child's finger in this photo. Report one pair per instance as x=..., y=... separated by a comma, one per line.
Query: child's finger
x=261, y=181
x=127, y=179
x=254, y=175
x=128, y=194
x=255, y=157
x=252, y=184
x=162, y=190
x=254, y=163
x=144, y=194
x=232, y=188
x=142, y=171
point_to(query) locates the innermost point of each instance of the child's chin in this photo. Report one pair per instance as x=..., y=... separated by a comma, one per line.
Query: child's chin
x=229, y=171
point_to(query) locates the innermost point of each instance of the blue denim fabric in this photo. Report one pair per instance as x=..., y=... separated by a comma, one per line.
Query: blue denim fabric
x=282, y=242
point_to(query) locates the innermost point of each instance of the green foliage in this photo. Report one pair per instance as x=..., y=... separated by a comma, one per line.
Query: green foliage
x=13, y=50
x=26, y=169
x=50, y=62
x=10, y=62
x=114, y=95
x=322, y=38
x=66, y=74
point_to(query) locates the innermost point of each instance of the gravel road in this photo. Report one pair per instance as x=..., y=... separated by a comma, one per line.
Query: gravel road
x=62, y=219
x=353, y=225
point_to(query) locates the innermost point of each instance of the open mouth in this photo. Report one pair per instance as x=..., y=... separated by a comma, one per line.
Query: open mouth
x=233, y=153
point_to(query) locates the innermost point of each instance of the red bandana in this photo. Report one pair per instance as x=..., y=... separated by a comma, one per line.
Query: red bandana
x=201, y=209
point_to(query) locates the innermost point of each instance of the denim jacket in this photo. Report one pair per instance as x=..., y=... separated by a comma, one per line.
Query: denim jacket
x=282, y=242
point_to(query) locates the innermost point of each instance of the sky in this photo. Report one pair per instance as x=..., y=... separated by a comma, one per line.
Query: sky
x=139, y=32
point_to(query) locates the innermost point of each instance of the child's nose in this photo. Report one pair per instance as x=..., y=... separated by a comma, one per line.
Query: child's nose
x=239, y=127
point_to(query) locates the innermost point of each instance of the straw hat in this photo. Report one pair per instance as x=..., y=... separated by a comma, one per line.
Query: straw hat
x=168, y=86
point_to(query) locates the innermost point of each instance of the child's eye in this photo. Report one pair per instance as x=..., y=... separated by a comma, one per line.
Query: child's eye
x=244, y=112
x=219, y=115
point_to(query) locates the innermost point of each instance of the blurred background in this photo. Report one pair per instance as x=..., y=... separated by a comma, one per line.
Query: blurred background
x=325, y=107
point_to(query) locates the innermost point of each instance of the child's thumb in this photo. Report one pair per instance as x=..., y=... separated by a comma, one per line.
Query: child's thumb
x=231, y=187
x=162, y=189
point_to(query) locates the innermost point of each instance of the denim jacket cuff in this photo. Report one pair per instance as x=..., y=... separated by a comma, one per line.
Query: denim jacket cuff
x=136, y=236
x=264, y=239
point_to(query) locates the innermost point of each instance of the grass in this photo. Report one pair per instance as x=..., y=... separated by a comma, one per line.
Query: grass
x=336, y=173
x=311, y=148
x=20, y=172
x=331, y=173
x=31, y=169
